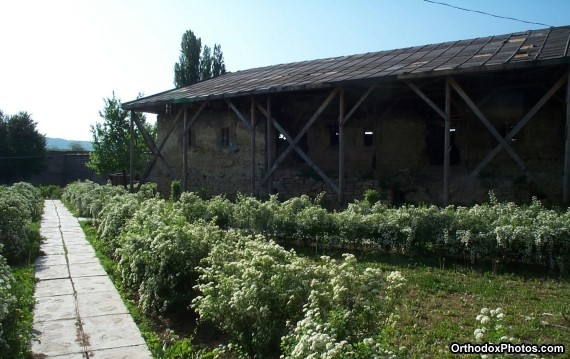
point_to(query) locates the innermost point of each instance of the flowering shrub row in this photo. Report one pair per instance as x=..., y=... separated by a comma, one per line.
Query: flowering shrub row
x=268, y=300
x=20, y=204
x=492, y=231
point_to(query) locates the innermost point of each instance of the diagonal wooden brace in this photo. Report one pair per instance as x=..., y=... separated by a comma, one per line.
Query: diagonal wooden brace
x=504, y=144
x=151, y=145
x=240, y=116
x=301, y=153
x=295, y=142
x=519, y=126
x=426, y=99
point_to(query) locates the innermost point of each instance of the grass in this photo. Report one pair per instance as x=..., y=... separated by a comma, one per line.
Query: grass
x=440, y=306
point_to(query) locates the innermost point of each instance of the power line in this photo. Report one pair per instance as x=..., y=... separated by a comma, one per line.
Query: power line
x=488, y=14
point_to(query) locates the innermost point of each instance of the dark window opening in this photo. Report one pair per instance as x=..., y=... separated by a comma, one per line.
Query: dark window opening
x=368, y=138
x=225, y=137
x=435, y=143
x=333, y=139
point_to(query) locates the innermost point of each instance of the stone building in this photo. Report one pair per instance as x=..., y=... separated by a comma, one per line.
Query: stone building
x=440, y=123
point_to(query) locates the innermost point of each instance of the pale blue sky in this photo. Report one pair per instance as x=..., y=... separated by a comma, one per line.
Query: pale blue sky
x=59, y=59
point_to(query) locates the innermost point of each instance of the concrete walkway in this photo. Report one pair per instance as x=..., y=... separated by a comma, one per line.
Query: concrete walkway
x=78, y=313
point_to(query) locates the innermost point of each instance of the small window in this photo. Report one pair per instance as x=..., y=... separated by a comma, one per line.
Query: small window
x=368, y=138
x=225, y=137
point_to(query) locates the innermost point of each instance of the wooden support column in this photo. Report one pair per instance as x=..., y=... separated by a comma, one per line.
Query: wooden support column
x=252, y=144
x=341, y=149
x=447, y=144
x=185, y=152
x=566, y=185
x=270, y=149
x=132, y=154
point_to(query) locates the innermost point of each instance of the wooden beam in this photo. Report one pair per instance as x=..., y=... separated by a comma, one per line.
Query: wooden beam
x=152, y=146
x=270, y=149
x=341, y=122
x=301, y=153
x=494, y=132
x=239, y=115
x=358, y=103
x=447, y=144
x=132, y=154
x=252, y=144
x=427, y=99
x=566, y=186
x=196, y=116
x=295, y=142
x=513, y=132
x=185, y=152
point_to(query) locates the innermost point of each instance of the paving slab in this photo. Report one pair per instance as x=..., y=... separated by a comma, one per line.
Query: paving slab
x=53, y=287
x=57, y=337
x=79, y=248
x=125, y=332
x=86, y=270
x=82, y=257
x=52, y=272
x=48, y=249
x=93, y=284
x=133, y=352
x=55, y=308
x=70, y=356
x=51, y=260
x=100, y=303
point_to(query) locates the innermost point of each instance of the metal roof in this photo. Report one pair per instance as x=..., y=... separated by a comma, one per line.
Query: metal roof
x=510, y=51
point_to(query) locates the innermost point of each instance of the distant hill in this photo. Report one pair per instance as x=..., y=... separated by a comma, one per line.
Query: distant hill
x=65, y=145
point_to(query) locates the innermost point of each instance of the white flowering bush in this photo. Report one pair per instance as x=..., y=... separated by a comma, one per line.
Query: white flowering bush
x=15, y=220
x=346, y=312
x=159, y=253
x=113, y=217
x=491, y=328
x=89, y=198
x=7, y=303
x=33, y=198
x=250, y=288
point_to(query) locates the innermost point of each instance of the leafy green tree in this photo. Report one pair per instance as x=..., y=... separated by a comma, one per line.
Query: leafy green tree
x=187, y=71
x=111, y=140
x=196, y=64
x=76, y=146
x=22, y=147
x=206, y=63
x=218, y=65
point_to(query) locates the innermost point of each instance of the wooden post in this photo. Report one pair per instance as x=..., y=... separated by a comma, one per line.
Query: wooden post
x=252, y=144
x=132, y=154
x=185, y=152
x=447, y=143
x=269, y=145
x=566, y=189
x=341, y=148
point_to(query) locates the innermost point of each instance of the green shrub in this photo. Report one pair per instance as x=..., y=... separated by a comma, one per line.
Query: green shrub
x=15, y=220
x=33, y=198
x=159, y=253
x=51, y=191
x=251, y=288
x=7, y=305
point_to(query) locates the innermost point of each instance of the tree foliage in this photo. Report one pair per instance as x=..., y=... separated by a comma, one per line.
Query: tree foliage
x=197, y=64
x=22, y=147
x=111, y=140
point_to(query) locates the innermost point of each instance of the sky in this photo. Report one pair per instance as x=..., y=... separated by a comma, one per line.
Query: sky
x=59, y=59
